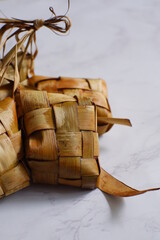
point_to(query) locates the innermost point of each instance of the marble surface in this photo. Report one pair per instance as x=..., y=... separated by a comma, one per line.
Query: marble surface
x=117, y=40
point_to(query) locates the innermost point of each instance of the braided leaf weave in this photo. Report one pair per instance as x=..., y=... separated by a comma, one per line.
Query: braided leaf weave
x=82, y=88
x=13, y=175
x=24, y=70
x=61, y=140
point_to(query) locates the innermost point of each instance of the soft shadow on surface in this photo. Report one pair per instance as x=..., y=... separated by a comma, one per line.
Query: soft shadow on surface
x=38, y=193
x=116, y=204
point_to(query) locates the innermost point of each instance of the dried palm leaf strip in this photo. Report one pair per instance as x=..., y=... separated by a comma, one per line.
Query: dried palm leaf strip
x=6, y=91
x=24, y=71
x=52, y=84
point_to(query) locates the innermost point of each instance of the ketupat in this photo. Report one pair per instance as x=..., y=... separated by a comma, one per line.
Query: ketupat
x=83, y=88
x=56, y=154
x=61, y=142
x=13, y=175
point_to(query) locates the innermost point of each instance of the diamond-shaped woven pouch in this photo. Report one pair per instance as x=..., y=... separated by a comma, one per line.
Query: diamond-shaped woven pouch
x=93, y=89
x=13, y=175
x=61, y=140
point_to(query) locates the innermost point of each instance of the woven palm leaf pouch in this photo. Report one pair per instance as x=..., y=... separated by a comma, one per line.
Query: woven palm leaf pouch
x=61, y=142
x=93, y=89
x=60, y=130
x=13, y=174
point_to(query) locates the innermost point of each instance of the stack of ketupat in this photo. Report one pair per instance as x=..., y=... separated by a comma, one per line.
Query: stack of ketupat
x=60, y=119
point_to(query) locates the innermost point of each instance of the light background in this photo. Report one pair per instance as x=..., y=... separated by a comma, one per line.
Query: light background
x=119, y=41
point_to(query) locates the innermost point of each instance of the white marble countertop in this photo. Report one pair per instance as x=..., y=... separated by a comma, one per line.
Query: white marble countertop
x=119, y=41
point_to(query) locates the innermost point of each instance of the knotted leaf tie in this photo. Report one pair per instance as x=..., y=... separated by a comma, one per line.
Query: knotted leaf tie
x=57, y=24
x=52, y=23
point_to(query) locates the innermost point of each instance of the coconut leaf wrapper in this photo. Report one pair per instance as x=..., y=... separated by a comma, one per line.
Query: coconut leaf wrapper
x=82, y=88
x=6, y=91
x=61, y=142
x=13, y=174
x=24, y=71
